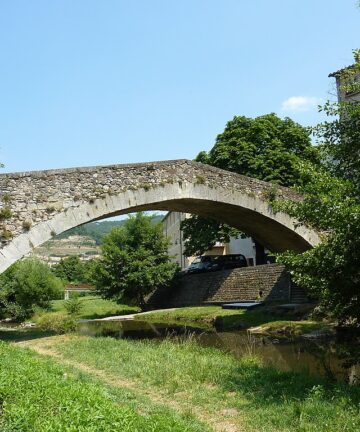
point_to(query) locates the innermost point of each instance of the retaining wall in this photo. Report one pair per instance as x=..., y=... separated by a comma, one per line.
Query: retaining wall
x=272, y=280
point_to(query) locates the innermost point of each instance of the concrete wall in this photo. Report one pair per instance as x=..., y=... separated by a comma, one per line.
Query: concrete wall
x=171, y=228
x=243, y=246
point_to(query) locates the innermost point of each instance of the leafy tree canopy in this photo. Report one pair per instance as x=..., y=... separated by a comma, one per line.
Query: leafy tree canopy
x=332, y=203
x=72, y=269
x=267, y=148
x=134, y=261
x=26, y=285
x=201, y=234
x=330, y=271
x=339, y=139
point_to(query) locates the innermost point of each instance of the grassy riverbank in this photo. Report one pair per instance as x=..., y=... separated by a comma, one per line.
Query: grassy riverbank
x=36, y=394
x=220, y=391
x=266, y=319
x=92, y=307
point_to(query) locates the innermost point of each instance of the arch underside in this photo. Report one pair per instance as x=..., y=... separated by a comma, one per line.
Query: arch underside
x=276, y=231
x=268, y=232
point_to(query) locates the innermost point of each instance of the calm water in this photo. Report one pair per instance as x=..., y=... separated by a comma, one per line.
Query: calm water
x=337, y=357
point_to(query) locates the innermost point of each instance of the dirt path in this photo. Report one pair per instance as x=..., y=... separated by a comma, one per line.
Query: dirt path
x=222, y=421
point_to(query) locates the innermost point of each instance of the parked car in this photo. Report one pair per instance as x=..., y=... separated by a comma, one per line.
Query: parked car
x=206, y=263
x=200, y=264
x=223, y=262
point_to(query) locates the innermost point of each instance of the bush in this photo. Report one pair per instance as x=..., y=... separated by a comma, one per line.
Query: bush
x=73, y=306
x=59, y=323
x=26, y=285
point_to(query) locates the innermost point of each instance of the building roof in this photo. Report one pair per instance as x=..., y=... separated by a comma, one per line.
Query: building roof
x=347, y=68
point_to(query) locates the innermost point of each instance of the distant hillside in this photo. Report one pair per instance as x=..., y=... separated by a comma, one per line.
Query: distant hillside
x=97, y=230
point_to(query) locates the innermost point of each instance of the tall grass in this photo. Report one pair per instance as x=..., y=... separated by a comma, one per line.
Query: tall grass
x=270, y=317
x=38, y=396
x=90, y=307
x=267, y=399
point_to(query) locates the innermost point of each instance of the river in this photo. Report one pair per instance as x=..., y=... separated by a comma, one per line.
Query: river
x=336, y=357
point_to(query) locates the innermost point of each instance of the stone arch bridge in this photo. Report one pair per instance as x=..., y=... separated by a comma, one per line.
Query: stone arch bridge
x=35, y=206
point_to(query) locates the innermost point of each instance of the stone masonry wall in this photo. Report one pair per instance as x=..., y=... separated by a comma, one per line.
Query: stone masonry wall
x=29, y=198
x=228, y=286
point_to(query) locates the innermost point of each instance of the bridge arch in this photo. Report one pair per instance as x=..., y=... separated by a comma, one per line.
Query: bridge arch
x=63, y=199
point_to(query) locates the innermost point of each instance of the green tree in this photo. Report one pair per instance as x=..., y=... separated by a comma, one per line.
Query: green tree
x=267, y=148
x=134, y=261
x=339, y=138
x=332, y=203
x=330, y=271
x=26, y=285
x=88, y=269
x=74, y=305
x=202, y=233
x=71, y=269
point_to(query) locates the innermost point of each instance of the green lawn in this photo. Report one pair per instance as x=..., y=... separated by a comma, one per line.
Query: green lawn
x=21, y=334
x=201, y=316
x=93, y=307
x=290, y=328
x=267, y=318
x=221, y=390
x=38, y=395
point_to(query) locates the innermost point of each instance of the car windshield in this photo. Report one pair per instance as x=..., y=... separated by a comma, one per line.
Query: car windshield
x=196, y=265
x=218, y=258
x=196, y=260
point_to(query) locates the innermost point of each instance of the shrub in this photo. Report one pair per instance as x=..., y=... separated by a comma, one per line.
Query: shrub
x=6, y=234
x=5, y=213
x=6, y=198
x=59, y=323
x=73, y=306
x=26, y=225
x=26, y=285
x=134, y=262
x=200, y=179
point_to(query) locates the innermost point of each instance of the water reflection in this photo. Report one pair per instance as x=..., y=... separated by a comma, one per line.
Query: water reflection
x=336, y=358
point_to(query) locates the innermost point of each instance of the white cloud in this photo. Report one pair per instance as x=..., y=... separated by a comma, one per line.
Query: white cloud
x=300, y=103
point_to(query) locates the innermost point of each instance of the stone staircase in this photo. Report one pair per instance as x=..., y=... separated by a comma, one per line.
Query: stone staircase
x=298, y=295
x=272, y=281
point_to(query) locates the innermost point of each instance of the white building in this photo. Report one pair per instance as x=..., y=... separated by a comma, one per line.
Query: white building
x=171, y=228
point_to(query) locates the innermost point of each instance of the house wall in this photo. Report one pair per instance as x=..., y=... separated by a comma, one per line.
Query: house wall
x=171, y=228
x=244, y=246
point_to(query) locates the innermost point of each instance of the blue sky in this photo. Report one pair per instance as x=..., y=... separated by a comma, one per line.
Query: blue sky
x=99, y=82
